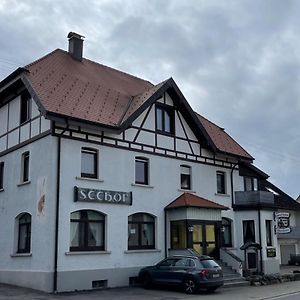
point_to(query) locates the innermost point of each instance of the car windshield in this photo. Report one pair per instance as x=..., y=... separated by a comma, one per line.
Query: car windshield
x=209, y=263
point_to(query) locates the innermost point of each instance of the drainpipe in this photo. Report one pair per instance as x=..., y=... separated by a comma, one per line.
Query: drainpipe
x=259, y=231
x=231, y=182
x=57, y=215
x=166, y=252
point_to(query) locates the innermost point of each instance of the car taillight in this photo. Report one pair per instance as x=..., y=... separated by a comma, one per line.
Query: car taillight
x=203, y=272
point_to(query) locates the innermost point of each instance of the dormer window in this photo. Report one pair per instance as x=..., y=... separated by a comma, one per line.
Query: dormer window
x=25, y=108
x=165, y=119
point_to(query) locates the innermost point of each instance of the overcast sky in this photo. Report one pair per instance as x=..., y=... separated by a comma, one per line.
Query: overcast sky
x=236, y=62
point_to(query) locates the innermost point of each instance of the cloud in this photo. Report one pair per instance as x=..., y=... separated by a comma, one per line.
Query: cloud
x=237, y=62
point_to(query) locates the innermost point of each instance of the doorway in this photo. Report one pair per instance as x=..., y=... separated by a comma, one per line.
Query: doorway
x=204, y=239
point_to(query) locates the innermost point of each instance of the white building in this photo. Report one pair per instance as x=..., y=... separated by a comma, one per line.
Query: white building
x=102, y=173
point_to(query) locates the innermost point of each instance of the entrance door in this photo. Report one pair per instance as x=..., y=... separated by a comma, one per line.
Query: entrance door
x=204, y=239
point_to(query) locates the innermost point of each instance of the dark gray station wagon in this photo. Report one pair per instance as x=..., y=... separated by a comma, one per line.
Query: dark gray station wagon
x=192, y=273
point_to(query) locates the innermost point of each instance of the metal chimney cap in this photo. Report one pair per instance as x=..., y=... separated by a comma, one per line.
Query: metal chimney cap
x=75, y=35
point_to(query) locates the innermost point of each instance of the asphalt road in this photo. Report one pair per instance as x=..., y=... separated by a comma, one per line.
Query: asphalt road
x=284, y=291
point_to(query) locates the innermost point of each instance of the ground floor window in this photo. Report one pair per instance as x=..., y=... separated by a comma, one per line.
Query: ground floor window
x=87, y=230
x=24, y=233
x=178, y=235
x=141, y=231
x=249, y=231
x=226, y=232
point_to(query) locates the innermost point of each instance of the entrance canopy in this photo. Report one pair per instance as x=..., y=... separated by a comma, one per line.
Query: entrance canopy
x=191, y=200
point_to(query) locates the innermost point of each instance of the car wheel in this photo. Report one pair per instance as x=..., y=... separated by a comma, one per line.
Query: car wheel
x=147, y=281
x=189, y=286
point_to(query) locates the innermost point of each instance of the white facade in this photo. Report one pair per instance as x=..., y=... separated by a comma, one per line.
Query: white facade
x=54, y=171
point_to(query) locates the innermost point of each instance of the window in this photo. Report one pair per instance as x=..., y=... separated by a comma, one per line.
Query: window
x=269, y=232
x=1, y=174
x=89, y=163
x=249, y=231
x=141, y=170
x=25, y=108
x=178, y=235
x=185, y=177
x=250, y=184
x=25, y=167
x=226, y=232
x=221, y=182
x=87, y=231
x=165, y=119
x=141, y=231
x=24, y=233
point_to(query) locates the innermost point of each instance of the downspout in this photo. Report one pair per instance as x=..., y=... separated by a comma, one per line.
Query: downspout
x=231, y=182
x=57, y=215
x=259, y=231
x=166, y=252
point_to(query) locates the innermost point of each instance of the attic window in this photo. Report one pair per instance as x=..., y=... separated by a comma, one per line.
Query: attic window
x=165, y=119
x=25, y=108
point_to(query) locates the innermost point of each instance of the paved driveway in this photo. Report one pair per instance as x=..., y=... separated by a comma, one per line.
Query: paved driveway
x=245, y=293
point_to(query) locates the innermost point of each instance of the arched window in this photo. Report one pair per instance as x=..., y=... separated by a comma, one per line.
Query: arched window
x=141, y=231
x=226, y=232
x=24, y=233
x=87, y=231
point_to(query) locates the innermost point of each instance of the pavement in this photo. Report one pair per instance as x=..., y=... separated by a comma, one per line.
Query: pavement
x=287, y=290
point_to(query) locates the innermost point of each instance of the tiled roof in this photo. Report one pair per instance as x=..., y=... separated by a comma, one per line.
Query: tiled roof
x=222, y=140
x=94, y=93
x=84, y=90
x=190, y=200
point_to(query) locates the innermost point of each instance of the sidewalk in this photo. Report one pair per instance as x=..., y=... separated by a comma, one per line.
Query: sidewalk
x=244, y=293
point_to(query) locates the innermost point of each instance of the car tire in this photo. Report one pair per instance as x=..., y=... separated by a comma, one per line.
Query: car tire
x=147, y=281
x=189, y=286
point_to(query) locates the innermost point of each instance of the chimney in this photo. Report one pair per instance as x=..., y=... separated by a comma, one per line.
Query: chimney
x=75, y=45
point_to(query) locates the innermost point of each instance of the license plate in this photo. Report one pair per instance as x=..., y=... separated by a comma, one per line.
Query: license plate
x=216, y=275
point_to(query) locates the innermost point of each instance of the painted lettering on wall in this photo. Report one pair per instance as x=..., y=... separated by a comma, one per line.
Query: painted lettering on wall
x=104, y=196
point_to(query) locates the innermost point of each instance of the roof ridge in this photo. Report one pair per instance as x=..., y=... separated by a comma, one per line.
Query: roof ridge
x=43, y=57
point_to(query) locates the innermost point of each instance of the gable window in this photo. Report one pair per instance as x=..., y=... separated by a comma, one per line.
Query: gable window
x=250, y=184
x=269, y=232
x=25, y=108
x=87, y=231
x=24, y=233
x=89, y=163
x=185, y=177
x=165, y=119
x=141, y=170
x=1, y=175
x=141, y=231
x=25, y=167
x=221, y=180
x=248, y=231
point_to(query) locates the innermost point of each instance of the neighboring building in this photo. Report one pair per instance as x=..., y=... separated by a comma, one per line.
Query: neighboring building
x=102, y=173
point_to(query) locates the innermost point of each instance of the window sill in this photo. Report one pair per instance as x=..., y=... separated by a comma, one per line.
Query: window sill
x=142, y=251
x=89, y=179
x=21, y=255
x=87, y=252
x=187, y=191
x=143, y=185
x=222, y=195
x=23, y=183
x=1, y=190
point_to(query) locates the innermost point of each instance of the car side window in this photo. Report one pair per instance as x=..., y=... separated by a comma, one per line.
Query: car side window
x=181, y=263
x=168, y=262
x=190, y=263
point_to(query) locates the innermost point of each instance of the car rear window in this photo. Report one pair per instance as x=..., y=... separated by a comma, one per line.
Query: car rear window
x=209, y=263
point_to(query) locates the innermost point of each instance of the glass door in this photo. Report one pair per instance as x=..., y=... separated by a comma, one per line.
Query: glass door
x=204, y=239
x=198, y=239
